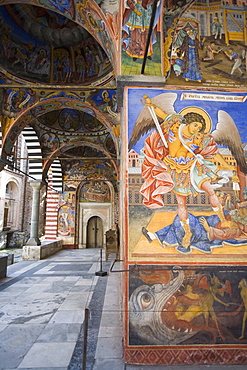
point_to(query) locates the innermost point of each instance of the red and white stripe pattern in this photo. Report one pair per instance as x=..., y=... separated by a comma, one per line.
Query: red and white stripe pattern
x=51, y=210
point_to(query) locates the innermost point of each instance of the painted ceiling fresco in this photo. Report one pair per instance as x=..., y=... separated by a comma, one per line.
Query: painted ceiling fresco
x=39, y=45
x=68, y=128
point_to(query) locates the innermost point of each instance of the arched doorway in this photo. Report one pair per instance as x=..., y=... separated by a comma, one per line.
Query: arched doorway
x=11, y=207
x=95, y=232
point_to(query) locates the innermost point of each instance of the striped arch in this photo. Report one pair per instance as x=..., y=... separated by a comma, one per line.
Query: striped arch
x=34, y=152
x=36, y=161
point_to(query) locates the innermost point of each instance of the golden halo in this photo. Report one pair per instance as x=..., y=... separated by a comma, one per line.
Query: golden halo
x=202, y=112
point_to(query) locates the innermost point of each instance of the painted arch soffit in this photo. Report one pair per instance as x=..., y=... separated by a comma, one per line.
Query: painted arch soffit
x=58, y=29
x=77, y=152
x=76, y=168
x=57, y=146
x=33, y=114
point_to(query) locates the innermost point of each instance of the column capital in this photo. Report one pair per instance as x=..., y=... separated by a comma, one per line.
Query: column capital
x=36, y=184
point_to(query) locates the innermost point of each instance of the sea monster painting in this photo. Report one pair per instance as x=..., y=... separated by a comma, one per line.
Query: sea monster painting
x=183, y=306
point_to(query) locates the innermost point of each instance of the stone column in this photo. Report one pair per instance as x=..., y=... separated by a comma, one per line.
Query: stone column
x=34, y=233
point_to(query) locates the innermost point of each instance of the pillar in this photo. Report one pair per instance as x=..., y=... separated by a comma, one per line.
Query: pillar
x=34, y=233
x=52, y=200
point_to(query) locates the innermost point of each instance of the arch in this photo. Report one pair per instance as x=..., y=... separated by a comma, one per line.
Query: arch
x=34, y=151
x=13, y=187
x=48, y=162
x=27, y=117
x=57, y=178
x=85, y=212
x=81, y=14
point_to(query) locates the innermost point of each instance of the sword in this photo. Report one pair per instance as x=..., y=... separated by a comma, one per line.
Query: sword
x=152, y=112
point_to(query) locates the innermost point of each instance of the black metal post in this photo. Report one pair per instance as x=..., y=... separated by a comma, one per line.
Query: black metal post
x=84, y=359
x=150, y=30
x=101, y=273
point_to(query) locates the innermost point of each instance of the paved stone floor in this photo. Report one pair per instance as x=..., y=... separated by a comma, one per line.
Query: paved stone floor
x=42, y=307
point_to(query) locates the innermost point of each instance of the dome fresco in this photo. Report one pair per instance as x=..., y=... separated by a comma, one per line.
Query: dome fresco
x=71, y=120
x=39, y=45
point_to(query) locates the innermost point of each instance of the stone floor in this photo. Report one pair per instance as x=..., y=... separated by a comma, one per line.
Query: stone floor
x=42, y=310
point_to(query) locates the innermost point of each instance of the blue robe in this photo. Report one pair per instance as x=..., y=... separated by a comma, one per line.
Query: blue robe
x=173, y=234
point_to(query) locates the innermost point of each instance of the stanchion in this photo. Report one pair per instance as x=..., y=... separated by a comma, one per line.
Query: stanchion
x=84, y=358
x=101, y=272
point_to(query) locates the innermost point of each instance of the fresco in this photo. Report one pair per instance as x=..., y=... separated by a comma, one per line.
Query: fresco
x=187, y=174
x=47, y=47
x=76, y=170
x=66, y=215
x=208, y=47
x=64, y=6
x=70, y=120
x=91, y=18
x=174, y=305
x=135, y=26
x=14, y=101
x=95, y=191
x=111, y=11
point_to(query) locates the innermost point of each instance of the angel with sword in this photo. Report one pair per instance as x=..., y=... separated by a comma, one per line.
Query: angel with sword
x=180, y=156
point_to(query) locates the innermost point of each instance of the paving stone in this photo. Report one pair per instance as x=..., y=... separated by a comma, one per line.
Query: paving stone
x=113, y=364
x=60, y=333
x=54, y=355
x=15, y=342
x=110, y=319
x=3, y=326
x=109, y=348
x=60, y=287
x=68, y=317
x=110, y=332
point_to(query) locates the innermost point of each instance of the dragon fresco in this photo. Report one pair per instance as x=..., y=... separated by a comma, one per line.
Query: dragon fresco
x=187, y=307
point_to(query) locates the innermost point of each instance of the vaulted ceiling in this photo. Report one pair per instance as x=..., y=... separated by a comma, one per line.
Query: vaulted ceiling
x=57, y=69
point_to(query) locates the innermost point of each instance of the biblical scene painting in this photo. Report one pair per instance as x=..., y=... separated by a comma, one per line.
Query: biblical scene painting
x=187, y=192
x=66, y=214
x=186, y=306
x=208, y=47
x=95, y=191
x=25, y=46
x=136, y=42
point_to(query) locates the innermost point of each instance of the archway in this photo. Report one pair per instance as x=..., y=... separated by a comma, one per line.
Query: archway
x=11, y=206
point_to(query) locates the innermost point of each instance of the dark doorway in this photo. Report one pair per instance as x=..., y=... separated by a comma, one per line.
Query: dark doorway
x=95, y=232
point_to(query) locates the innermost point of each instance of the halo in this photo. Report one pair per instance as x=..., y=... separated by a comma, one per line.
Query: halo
x=202, y=112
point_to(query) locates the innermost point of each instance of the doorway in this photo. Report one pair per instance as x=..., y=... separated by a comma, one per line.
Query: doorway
x=95, y=232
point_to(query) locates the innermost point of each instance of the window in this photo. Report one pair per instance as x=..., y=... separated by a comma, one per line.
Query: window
x=8, y=189
x=136, y=197
x=169, y=198
x=194, y=199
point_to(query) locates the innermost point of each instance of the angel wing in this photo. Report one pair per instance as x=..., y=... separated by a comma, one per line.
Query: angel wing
x=226, y=133
x=144, y=122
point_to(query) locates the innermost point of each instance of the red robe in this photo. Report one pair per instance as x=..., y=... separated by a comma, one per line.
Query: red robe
x=158, y=180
